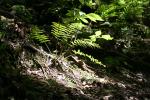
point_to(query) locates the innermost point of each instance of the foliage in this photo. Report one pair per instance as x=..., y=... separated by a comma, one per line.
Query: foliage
x=89, y=3
x=126, y=18
x=75, y=27
x=76, y=15
x=91, y=58
x=114, y=32
x=21, y=12
x=68, y=37
x=85, y=43
x=62, y=32
x=38, y=35
x=77, y=23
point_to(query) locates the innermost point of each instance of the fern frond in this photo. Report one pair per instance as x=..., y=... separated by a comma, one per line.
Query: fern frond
x=36, y=34
x=85, y=43
x=72, y=28
x=91, y=58
x=60, y=32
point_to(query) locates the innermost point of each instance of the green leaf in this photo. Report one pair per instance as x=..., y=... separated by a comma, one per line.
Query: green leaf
x=93, y=38
x=84, y=20
x=81, y=1
x=81, y=13
x=70, y=13
x=121, y=2
x=98, y=33
x=107, y=37
x=78, y=25
x=94, y=17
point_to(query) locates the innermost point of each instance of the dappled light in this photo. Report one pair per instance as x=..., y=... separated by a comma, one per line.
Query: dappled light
x=74, y=50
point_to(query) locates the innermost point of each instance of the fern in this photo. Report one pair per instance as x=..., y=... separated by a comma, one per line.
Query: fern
x=91, y=58
x=72, y=28
x=85, y=43
x=61, y=32
x=36, y=34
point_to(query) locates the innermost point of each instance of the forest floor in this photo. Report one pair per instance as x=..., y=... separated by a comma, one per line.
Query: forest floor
x=37, y=79
x=97, y=85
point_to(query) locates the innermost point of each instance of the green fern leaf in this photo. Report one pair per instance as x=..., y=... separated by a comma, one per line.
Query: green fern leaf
x=36, y=34
x=85, y=43
x=91, y=58
x=62, y=32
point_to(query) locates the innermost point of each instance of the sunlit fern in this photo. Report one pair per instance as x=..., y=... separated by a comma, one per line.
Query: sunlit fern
x=38, y=35
x=85, y=43
x=65, y=33
x=91, y=58
x=62, y=32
